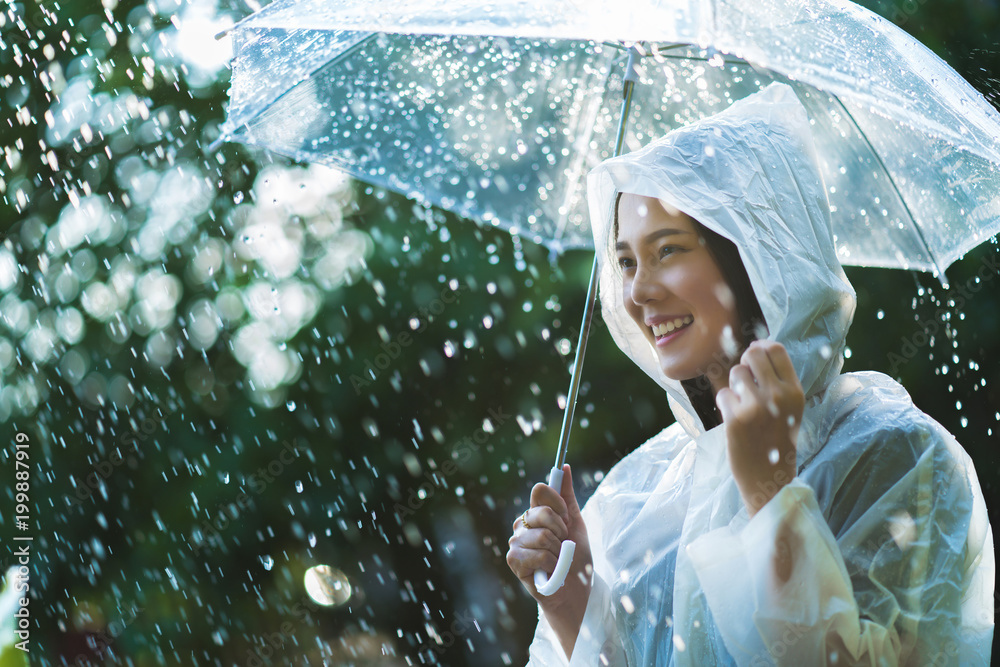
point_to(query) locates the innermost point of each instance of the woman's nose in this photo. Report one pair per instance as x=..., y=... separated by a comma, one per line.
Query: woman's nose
x=645, y=285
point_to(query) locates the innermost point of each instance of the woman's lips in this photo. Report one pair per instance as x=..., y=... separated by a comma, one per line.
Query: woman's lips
x=667, y=338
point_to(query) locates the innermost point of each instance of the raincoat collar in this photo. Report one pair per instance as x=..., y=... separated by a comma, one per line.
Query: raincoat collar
x=749, y=173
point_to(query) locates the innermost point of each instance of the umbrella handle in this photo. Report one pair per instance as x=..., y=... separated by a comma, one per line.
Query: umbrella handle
x=544, y=583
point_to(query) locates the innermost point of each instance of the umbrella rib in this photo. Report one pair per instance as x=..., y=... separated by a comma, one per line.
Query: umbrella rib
x=662, y=52
x=899, y=195
x=593, y=112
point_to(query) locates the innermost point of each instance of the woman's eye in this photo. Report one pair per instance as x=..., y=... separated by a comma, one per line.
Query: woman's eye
x=625, y=263
x=668, y=250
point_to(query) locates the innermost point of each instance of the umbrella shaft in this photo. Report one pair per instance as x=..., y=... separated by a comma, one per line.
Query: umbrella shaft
x=588, y=311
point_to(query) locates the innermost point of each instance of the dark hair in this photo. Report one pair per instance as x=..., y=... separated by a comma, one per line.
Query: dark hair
x=727, y=258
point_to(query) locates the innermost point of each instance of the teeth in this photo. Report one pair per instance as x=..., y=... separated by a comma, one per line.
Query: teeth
x=664, y=328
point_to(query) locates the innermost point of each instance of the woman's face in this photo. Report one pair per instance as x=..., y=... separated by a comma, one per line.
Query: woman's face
x=674, y=291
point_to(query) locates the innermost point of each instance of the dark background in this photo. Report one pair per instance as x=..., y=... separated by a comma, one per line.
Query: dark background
x=124, y=570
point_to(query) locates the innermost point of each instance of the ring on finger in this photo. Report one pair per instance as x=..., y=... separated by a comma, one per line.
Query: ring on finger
x=524, y=520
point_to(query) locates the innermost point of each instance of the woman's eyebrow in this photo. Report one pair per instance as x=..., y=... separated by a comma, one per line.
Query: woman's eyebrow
x=652, y=236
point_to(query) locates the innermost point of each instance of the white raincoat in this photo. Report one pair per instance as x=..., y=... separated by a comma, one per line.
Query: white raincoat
x=891, y=546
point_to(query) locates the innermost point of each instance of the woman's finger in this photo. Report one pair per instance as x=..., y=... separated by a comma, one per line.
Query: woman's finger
x=781, y=362
x=541, y=539
x=544, y=495
x=523, y=562
x=741, y=382
x=764, y=371
x=543, y=518
x=728, y=402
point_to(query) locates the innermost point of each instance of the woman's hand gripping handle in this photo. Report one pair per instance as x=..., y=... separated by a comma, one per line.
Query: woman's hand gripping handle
x=547, y=584
x=550, y=536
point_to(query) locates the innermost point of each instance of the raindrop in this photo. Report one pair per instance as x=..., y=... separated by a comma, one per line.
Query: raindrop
x=327, y=586
x=880, y=314
x=773, y=456
x=238, y=198
x=290, y=405
x=267, y=562
x=729, y=344
x=298, y=486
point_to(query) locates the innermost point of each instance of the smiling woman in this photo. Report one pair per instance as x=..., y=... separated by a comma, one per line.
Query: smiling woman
x=818, y=518
x=689, y=266
x=674, y=291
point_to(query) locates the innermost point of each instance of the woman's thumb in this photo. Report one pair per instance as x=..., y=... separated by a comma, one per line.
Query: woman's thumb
x=567, y=492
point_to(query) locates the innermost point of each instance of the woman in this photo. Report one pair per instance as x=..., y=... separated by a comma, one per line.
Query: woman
x=793, y=515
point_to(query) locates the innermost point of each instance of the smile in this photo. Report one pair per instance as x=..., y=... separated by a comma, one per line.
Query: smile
x=665, y=331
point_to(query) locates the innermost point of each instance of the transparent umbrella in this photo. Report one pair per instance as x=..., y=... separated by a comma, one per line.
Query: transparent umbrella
x=498, y=110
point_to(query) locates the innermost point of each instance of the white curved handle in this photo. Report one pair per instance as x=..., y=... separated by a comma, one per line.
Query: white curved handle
x=548, y=584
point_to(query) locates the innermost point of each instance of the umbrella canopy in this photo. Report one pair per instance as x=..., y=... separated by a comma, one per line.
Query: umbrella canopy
x=498, y=111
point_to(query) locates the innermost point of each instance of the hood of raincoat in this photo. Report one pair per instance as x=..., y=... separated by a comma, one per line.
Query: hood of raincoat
x=750, y=174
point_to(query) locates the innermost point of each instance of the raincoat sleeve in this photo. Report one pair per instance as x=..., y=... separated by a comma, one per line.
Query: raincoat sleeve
x=896, y=570
x=597, y=643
